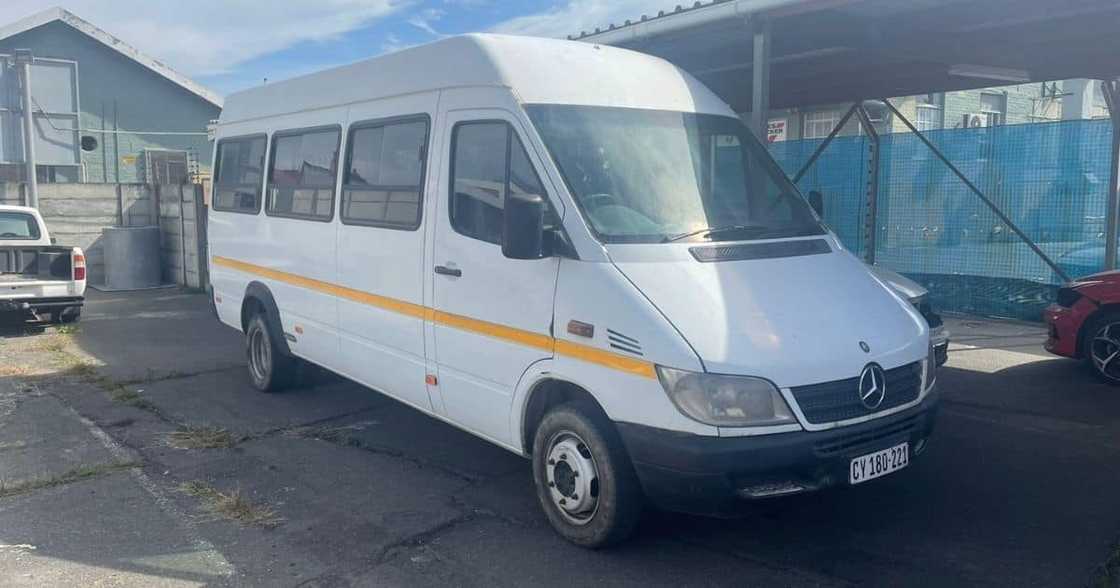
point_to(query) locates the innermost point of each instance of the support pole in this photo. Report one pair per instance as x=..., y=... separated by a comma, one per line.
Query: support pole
x=824, y=144
x=991, y=205
x=871, y=220
x=24, y=60
x=1111, y=91
x=760, y=82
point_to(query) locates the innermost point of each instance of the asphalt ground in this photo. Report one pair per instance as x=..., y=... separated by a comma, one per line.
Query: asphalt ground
x=331, y=484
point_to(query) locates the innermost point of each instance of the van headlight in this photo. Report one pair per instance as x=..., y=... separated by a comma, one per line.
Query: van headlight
x=930, y=375
x=725, y=401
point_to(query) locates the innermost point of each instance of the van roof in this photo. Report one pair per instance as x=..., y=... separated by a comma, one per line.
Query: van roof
x=537, y=70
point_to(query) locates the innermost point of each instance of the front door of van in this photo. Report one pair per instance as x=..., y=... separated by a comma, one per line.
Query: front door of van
x=493, y=315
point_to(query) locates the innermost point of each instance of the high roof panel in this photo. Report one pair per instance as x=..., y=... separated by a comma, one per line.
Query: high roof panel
x=538, y=70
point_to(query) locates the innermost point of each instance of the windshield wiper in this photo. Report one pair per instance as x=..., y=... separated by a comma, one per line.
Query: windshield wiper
x=709, y=231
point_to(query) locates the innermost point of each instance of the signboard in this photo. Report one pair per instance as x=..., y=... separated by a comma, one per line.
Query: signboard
x=776, y=130
x=54, y=92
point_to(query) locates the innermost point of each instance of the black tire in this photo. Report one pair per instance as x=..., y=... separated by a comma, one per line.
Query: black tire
x=66, y=316
x=270, y=369
x=1095, y=349
x=615, y=488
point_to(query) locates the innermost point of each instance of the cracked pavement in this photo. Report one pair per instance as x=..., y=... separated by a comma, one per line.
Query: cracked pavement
x=1017, y=486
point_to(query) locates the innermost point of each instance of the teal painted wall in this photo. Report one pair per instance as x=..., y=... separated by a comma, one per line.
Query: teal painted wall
x=143, y=100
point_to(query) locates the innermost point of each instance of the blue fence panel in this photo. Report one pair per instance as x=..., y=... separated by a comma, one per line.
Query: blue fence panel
x=1050, y=179
x=840, y=175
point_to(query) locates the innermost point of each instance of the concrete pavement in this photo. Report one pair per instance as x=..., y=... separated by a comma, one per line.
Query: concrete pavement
x=1017, y=487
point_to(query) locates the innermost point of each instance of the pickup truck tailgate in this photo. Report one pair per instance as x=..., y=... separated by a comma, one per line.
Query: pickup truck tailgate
x=35, y=271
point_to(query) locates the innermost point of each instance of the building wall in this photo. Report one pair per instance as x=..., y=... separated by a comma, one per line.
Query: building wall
x=1022, y=103
x=116, y=91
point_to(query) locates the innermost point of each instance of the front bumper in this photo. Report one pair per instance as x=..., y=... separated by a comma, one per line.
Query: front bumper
x=1064, y=326
x=715, y=475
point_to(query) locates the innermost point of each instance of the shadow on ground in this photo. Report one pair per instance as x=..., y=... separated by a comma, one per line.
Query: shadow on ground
x=370, y=491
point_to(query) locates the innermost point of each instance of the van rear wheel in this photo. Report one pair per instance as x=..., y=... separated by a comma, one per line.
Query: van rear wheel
x=585, y=482
x=270, y=369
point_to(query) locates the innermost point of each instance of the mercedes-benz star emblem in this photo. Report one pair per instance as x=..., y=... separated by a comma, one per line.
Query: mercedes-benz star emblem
x=872, y=386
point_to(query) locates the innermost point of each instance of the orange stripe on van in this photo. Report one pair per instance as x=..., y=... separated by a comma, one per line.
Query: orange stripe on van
x=498, y=331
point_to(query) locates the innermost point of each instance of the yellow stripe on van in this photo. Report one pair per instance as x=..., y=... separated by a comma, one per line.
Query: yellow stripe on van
x=514, y=335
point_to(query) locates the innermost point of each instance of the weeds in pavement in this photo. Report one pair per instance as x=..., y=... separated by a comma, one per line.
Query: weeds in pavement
x=69, y=330
x=53, y=344
x=201, y=438
x=13, y=370
x=12, y=488
x=232, y=505
x=130, y=397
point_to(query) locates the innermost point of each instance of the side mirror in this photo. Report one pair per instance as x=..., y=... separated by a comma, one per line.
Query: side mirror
x=54, y=240
x=816, y=202
x=523, y=227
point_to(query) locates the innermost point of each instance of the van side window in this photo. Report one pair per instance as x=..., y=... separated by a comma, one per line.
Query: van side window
x=488, y=162
x=237, y=185
x=384, y=179
x=301, y=179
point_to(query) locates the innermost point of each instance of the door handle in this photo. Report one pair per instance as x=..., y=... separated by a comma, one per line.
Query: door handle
x=447, y=271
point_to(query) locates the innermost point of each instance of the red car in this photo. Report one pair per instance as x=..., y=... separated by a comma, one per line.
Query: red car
x=1085, y=323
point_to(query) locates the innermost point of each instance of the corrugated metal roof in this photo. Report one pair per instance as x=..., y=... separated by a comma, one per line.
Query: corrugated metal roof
x=645, y=18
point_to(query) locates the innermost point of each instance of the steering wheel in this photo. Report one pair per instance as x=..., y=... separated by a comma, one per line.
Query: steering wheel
x=9, y=236
x=593, y=201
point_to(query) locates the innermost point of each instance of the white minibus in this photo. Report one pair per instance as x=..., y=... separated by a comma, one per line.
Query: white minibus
x=576, y=252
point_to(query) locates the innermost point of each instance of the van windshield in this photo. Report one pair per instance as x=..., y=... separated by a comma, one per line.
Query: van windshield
x=655, y=176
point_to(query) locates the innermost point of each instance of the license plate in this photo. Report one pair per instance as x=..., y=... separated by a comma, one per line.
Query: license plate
x=873, y=465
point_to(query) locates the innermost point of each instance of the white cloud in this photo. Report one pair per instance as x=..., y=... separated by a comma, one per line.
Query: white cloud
x=424, y=20
x=572, y=16
x=208, y=37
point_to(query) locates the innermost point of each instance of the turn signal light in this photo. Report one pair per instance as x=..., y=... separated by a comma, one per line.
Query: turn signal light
x=79, y=266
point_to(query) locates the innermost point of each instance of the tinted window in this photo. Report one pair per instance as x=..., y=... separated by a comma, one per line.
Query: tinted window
x=237, y=187
x=384, y=174
x=18, y=226
x=489, y=162
x=302, y=177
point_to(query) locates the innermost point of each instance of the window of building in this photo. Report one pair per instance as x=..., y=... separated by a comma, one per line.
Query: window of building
x=994, y=108
x=488, y=162
x=930, y=113
x=302, y=175
x=18, y=225
x=819, y=124
x=237, y=183
x=385, y=174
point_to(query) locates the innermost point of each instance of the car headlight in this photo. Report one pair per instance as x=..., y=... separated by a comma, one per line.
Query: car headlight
x=930, y=368
x=725, y=401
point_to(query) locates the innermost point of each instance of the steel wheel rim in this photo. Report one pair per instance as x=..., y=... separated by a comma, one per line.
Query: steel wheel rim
x=260, y=355
x=573, y=478
x=1104, y=350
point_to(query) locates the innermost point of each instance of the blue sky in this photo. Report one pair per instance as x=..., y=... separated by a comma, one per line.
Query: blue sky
x=228, y=45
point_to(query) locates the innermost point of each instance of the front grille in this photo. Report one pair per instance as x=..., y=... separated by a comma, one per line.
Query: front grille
x=858, y=442
x=839, y=400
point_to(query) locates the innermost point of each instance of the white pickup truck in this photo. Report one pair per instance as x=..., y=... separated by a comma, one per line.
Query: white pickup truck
x=38, y=280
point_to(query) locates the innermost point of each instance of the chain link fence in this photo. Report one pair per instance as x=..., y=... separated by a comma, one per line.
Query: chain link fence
x=1050, y=179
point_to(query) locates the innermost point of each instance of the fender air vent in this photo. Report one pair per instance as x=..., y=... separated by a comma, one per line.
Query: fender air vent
x=623, y=343
x=761, y=250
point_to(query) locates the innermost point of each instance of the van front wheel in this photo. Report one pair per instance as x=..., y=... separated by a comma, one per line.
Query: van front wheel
x=269, y=368
x=585, y=482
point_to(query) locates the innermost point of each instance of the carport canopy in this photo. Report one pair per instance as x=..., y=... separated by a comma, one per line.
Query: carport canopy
x=830, y=51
